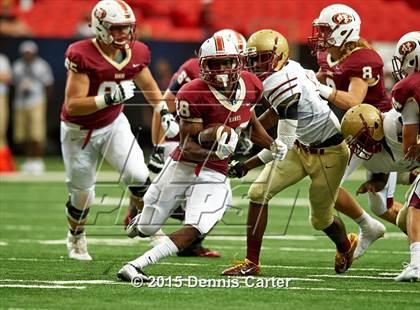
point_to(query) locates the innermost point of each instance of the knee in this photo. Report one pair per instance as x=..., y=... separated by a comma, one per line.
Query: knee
x=401, y=220
x=257, y=193
x=82, y=198
x=320, y=223
x=147, y=230
x=138, y=176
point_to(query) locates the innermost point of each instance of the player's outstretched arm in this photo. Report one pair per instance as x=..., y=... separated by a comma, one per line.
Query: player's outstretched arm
x=345, y=100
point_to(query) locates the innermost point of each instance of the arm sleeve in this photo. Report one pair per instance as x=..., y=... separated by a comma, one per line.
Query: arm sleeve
x=186, y=107
x=364, y=64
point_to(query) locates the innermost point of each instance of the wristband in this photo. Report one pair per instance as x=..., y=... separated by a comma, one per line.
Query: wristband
x=325, y=91
x=100, y=102
x=161, y=106
x=265, y=156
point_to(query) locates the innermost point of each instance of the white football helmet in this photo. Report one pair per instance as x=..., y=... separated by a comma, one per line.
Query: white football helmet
x=113, y=22
x=235, y=36
x=336, y=25
x=406, y=58
x=220, y=62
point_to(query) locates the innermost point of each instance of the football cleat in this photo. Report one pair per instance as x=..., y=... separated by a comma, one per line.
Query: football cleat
x=198, y=251
x=243, y=268
x=77, y=247
x=343, y=261
x=411, y=273
x=367, y=235
x=131, y=229
x=131, y=213
x=128, y=273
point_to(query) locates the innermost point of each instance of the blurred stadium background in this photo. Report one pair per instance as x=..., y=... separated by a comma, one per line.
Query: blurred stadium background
x=173, y=29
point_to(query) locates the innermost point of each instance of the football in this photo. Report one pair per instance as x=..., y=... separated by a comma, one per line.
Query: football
x=212, y=133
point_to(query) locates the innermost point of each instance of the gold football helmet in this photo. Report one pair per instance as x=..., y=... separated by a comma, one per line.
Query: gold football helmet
x=362, y=127
x=267, y=51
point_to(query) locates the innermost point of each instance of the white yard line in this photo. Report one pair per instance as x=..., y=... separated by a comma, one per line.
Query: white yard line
x=352, y=290
x=204, y=264
x=349, y=276
x=109, y=176
x=61, y=282
x=3, y=243
x=42, y=286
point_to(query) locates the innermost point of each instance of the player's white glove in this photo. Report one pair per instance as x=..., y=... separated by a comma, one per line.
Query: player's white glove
x=169, y=123
x=278, y=149
x=123, y=92
x=224, y=150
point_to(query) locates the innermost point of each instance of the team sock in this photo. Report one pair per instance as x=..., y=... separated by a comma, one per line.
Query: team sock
x=257, y=222
x=162, y=250
x=415, y=253
x=337, y=233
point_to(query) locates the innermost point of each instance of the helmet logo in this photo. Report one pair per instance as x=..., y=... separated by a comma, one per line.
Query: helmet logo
x=407, y=47
x=342, y=18
x=100, y=13
x=220, y=46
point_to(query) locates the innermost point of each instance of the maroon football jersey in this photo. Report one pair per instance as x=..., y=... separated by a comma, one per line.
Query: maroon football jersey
x=408, y=87
x=199, y=102
x=188, y=71
x=86, y=57
x=363, y=63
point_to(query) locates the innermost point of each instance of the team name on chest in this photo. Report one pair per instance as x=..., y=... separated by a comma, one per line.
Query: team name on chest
x=119, y=76
x=235, y=118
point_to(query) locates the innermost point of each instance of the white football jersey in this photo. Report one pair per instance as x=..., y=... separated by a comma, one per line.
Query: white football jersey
x=390, y=157
x=292, y=86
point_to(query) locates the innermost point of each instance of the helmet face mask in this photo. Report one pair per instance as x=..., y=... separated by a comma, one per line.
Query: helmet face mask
x=260, y=63
x=220, y=62
x=406, y=59
x=362, y=128
x=114, y=23
x=267, y=51
x=321, y=38
x=336, y=25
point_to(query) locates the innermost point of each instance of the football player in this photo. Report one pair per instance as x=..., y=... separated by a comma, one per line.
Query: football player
x=309, y=129
x=351, y=73
x=188, y=71
x=100, y=79
x=406, y=99
x=223, y=94
x=375, y=137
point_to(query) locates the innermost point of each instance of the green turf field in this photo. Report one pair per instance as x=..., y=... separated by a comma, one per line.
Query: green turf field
x=36, y=274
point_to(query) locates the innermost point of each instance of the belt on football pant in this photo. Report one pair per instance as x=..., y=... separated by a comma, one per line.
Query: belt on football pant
x=320, y=147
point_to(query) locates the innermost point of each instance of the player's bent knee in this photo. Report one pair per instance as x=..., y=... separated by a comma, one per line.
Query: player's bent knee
x=82, y=199
x=140, y=177
x=401, y=220
x=147, y=230
x=321, y=223
x=257, y=193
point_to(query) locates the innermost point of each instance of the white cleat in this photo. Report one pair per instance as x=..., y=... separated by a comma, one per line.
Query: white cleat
x=367, y=235
x=131, y=229
x=129, y=273
x=411, y=273
x=77, y=247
